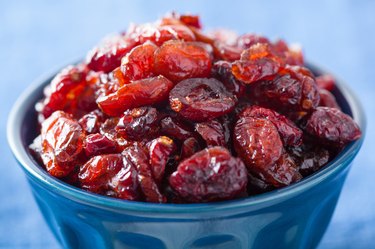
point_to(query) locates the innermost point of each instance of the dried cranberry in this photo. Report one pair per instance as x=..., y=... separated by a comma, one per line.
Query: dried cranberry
x=110, y=173
x=212, y=132
x=326, y=82
x=327, y=99
x=137, y=64
x=290, y=92
x=136, y=156
x=178, y=60
x=247, y=40
x=282, y=173
x=256, y=185
x=139, y=122
x=160, y=149
x=289, y=132
x=91, y=122
x=62, y=141
x=189, y=147
x=96, y=144
x=107, y=55
x=139, y=93
x=209, y=175
x=201, y=99
x=222, y=70
x=176, y=129
x=257, y=142
x=331, y=126
x=68, y=92
x=256, y=63
x=310, y=158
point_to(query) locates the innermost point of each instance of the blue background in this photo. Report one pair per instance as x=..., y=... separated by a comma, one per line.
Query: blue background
x=36, y=36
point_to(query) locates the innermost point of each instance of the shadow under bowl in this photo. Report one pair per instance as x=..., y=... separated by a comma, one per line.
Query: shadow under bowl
x=292, y=217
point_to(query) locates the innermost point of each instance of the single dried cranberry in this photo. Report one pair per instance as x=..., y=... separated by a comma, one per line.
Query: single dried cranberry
x=139, y=122
x=189, y=147
x=292, y=55
x=212, y=132
x=160, y=149
x=256, y=185
x=247, y=40
x=191, y=20
x=109, y=173
x=62, y=142
x=175, y=129
x=257, y=142
x=161, y=34
x=209, y=175
x=201, y=99
x=327, y=99
x=68, y=92
x=178, y=60
x=137, y=64
x=310, y=158
x=139, y=93
x=282, y=173
x=331, y=126
x=136, y=156
x=91, y=122
x=107, y=55
x=256, y=63
x=222, y=70
x=289, y=93
x=326, y=81
x=289, y=132
x=96, y=144
x=108, y=129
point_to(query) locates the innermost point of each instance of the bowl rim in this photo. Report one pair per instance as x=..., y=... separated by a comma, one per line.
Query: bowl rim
x=33, y=170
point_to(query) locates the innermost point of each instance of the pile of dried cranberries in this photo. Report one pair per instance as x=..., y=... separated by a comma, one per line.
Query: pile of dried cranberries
x=167, y=113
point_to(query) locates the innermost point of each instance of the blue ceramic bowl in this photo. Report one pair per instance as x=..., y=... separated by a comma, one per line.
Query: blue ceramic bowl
x=293, y=217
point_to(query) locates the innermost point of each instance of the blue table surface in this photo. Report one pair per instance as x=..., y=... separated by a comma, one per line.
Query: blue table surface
x=36, y=36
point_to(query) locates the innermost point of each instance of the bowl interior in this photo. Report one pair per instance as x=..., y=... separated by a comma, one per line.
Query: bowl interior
x=22, y=129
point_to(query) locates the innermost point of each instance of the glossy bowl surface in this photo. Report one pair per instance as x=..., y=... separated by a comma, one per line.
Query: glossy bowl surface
x=293, y=217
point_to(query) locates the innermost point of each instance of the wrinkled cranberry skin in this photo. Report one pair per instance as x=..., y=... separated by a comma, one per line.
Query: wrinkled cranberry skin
x=326, y=82
x=201, y=99
x=189, y=147
x=139, y=93
x=107, y=55
x=222, y=70
x=136, y=156
x=327, y=99
x=332, y=127
x=209, y=175
x=175, y=129
x=283, y=173
x=139, y=122
x=289, y=132
x=105, y=173
x=138, y=63
x=256, y=185
x=160, y=149
x=310, y=158
x=96, y=144
x=289, y=93
x=256, y=63
x=257, y=142
x=68, y=92
x=91, y=122
x=62, y=142
x=212, y=132
x=178, y=60
x=247, y=40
